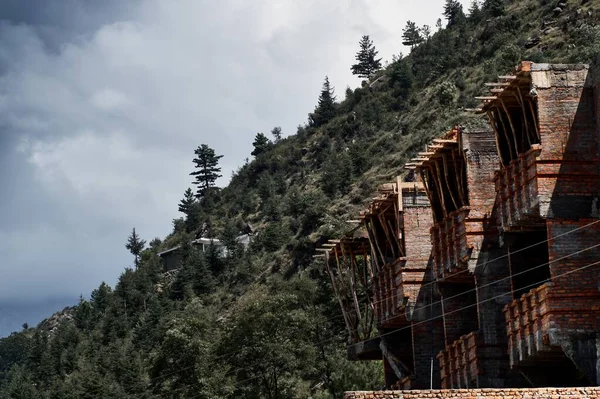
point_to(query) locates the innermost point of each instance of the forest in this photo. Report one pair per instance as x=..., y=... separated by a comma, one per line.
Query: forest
x=262, y=321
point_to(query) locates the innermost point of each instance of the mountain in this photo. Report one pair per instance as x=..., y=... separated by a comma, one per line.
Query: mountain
x=263, y=322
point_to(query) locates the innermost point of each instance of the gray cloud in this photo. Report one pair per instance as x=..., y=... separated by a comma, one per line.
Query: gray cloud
x=102, y=105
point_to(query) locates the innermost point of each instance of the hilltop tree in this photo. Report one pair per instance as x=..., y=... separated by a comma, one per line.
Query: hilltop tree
x=325, y=109
x=367, y=63
x=411, y=36
x=453, y=12
x=191, y=209
x=261, y=144
x=206, y=162
x=135, y=245
x=276, y=132
x=185, y=205
x=496, y=8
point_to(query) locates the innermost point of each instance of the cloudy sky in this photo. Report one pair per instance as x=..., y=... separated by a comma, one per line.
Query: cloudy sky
x=103, y=102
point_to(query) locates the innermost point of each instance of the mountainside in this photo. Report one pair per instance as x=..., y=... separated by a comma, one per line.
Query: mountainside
x=263, y=322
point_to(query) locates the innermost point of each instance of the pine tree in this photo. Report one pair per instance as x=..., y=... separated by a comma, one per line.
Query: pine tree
x=276, y=132
x=261, y=144
x=185, y=205
x=135, y=245
x=325, y=109
x=474, y=9
x=453, y=12
x=206, y=162
x=496, y=8
x=411, y=36
x=367, y=63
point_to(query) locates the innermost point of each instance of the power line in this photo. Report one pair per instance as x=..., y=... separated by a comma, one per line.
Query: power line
x=476, y=303
x=431, y=304
x=451, y=312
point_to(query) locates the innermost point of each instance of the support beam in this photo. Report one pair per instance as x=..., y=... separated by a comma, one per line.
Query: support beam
x=512, y=127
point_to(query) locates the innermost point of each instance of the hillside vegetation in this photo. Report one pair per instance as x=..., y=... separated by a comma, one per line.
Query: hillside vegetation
x=263, y=323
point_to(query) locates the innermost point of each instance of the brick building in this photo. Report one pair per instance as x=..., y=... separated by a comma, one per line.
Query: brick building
x=495, y=273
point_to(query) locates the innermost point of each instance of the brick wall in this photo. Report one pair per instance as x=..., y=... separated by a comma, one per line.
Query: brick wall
x=528, y=393
x=568, y=165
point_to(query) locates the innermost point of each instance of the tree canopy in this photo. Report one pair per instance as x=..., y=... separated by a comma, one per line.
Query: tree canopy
x=367, y=63
x=207, y=173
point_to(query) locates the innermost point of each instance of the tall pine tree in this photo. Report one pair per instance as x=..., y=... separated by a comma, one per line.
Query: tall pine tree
x=261, y=144
x=453, y=11
x=206, y=162
x=367, y=64
x=495, y=8
x=325, y=109
x=411, y=35
x=135, y=245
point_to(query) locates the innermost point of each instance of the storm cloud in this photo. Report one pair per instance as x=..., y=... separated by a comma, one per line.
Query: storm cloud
x=103, y=103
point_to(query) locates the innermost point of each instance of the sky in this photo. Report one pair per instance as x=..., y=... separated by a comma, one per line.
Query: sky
x=103, y=103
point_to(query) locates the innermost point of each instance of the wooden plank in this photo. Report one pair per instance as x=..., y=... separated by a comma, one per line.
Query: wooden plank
x=473, y=110
x=512, y=127
x=445, y=166
x=519, y=97
x=510, y=150
x=535, y=121
x=507, y=77
x=400, y=202
x=442, y=141
x=437, y=178
x=486, y=98
x=425, y=154
x=351, y=330
x=352, y=286
x=494, y=84
x=435, y=146
x=496, y=134
x=458, y=169
x=381, y=218
x=374, y=246
x=426, y=185
x=496, y=90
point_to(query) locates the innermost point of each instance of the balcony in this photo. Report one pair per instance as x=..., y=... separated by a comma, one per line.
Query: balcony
x=456, y=241
x=517, y=186
x=551, y=332
x=388, y=295
x=459, y=365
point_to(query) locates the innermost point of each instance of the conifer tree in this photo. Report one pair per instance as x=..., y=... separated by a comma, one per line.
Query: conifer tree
x=206, y=162
x=495, y=8
x=135, y=245
x=367, y=63
x=453, y=12
x=474, y=10
x=411, y=36
x=185, y=205
x=325, y=109
x=261, y=144
x=276, y=132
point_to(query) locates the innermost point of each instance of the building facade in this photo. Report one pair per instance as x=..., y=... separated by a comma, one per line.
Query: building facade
x=495, y=272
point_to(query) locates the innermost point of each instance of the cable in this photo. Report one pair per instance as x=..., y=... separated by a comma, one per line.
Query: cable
x=522, y=249
x=484, y=264
x=470, y=290
x=454, y=311
x=440, y=301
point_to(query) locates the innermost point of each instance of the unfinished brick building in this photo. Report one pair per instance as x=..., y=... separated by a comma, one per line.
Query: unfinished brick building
x=395, y=249
x=546, y=122
x=496, y=271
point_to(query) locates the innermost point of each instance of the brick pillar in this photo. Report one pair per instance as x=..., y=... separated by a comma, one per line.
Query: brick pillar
x=428, y=338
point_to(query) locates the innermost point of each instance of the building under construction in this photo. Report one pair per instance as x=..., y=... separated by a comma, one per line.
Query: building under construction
x=484, y=272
